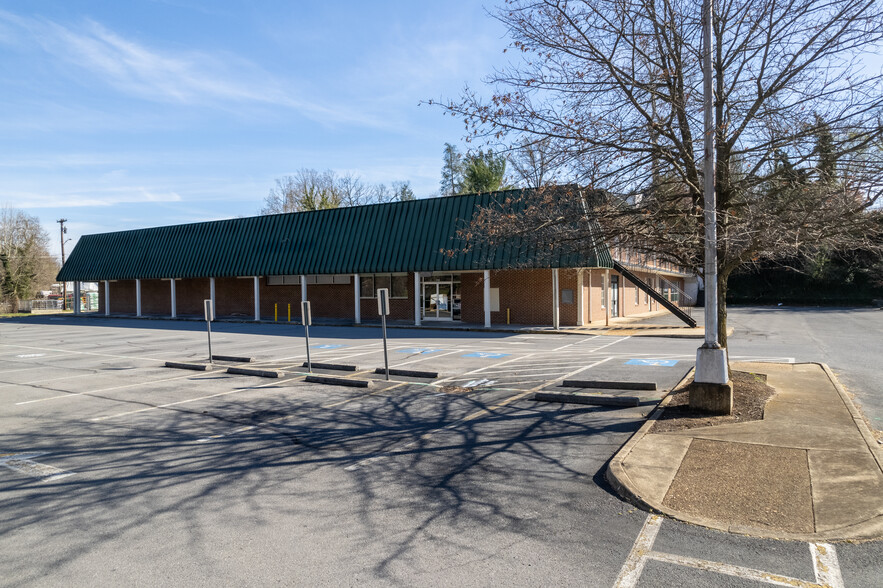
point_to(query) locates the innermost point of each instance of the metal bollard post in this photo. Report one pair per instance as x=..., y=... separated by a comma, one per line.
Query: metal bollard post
x=307, y=320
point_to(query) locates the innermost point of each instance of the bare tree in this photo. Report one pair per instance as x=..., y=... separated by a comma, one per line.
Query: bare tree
x=25, y=263
x=533, y=164
x=353, y=191
x=309, y=189
x=614, y=89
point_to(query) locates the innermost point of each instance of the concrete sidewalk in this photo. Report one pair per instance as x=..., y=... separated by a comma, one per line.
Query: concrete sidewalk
x=811, y=470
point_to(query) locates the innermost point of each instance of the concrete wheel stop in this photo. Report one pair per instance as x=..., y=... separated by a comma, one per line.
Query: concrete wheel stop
x=597, y=398
x=340, y=367
x=234, y=358
x=609, y=385
x=254, y=372
x=330, y=380
x=198, y=367
x=407, y=373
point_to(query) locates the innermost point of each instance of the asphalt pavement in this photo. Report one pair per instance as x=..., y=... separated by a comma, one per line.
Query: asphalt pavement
x=119, y=471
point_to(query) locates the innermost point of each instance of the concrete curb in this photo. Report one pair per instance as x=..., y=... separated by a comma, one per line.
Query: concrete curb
x=254, y=372
x=198, y=367
x=863, y=428
x=617, y=477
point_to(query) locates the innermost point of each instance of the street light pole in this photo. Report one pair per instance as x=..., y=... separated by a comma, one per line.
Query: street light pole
x=61, y=222
x=714, y=392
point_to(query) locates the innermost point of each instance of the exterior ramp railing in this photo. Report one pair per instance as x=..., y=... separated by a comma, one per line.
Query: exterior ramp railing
x=642, y=285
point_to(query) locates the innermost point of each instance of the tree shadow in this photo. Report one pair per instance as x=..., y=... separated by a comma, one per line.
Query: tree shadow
x=402, y=470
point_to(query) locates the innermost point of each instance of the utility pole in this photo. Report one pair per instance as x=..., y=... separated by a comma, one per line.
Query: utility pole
x=712, y=391
x=61, y=222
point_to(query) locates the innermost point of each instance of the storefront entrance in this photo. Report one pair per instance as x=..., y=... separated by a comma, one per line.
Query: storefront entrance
x=441, y=298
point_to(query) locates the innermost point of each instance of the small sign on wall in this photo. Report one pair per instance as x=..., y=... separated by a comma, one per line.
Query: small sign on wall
x=495, y=299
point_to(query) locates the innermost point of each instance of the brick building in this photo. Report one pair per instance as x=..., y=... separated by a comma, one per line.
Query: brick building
x=262, y=267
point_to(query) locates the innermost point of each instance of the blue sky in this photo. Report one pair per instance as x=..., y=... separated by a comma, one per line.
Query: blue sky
x=134, y=113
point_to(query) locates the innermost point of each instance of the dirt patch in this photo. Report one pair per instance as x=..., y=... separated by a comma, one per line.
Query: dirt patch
x=745, y=484
x=750, y=395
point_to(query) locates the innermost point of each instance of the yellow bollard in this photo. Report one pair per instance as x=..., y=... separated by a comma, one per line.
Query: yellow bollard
x=289, y=312
x=276, y=312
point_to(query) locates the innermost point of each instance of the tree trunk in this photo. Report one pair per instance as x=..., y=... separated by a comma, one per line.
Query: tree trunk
x=722, y=309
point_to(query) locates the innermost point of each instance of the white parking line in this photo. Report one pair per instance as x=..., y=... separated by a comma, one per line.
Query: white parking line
x=92, y=392
x=481, y=369
x=467, y=418
x=62, y=352
x=608, y=345
x=23, y=464
x=825, y=564
x=157, y=407
x=576, y=343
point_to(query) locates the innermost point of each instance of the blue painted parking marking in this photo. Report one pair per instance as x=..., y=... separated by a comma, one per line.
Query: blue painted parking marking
x=653, y=362
x=327, y=346
x=413, y=350
x=484, y=355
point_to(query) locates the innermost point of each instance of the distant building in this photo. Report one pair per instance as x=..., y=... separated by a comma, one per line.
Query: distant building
x=258, y=267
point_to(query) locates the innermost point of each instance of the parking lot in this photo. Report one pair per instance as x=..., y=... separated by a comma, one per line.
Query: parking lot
x=121, y=471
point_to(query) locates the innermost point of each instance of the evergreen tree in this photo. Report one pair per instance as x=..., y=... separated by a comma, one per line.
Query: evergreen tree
x=452, y=171
x=485, y=172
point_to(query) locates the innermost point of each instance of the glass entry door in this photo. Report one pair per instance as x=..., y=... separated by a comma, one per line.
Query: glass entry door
x=441, y=301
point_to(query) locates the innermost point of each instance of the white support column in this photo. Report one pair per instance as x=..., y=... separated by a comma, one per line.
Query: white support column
x=138, y=297
x=606, y=287
x=580, y=299
x=211, y=295
x=303, y=288
x=174, y=299
x=590, y=297
x=622, y=294
x=76, y=298
x=106, y=297
x=487, y=298
x=556, y=310
x=257, y=298
x=357, y=292
x=418, y=293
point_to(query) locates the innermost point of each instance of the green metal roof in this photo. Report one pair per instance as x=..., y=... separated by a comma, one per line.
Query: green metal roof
x=377, y=238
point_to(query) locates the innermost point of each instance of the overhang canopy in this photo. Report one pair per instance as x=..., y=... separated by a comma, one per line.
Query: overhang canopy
x=410, y=236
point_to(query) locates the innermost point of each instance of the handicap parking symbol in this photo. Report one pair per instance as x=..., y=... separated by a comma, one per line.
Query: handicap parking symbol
x=327, y=346
x=485, y=355
x=653, y=362
x=414, y=350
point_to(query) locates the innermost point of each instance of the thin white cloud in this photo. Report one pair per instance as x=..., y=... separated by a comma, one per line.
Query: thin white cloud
x=183, y=77
x=97, y=197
